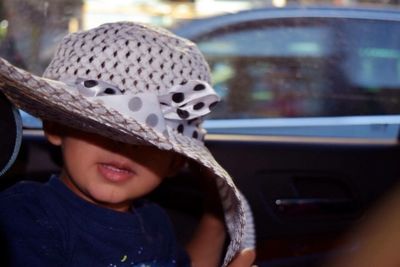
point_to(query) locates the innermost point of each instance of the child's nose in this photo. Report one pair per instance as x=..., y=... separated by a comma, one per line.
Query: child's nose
x=121, y=147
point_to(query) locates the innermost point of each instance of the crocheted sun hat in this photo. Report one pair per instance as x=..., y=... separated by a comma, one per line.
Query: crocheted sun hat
x=133, y=83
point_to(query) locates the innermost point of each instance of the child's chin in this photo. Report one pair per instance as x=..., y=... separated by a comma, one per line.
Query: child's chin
x=111, y=199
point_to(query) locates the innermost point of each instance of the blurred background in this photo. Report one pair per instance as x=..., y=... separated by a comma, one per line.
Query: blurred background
x=270, y=59
x=38, y=25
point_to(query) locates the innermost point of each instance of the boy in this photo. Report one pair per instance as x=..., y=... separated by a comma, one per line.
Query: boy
x=125, y=102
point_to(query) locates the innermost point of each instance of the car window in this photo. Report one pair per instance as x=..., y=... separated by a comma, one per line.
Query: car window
x=304, y=75
x=305, y=70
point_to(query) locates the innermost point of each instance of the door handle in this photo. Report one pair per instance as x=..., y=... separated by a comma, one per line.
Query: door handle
x=314, y=206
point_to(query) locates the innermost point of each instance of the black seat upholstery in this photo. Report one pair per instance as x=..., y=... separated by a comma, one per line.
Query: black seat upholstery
x=10, y=134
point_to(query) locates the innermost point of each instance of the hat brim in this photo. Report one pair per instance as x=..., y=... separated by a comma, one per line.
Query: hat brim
x=51, y=100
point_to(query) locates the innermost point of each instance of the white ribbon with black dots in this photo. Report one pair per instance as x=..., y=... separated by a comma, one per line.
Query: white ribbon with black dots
x=179, y=108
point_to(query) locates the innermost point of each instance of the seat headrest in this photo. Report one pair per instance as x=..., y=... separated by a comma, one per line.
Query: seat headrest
x=10, y=134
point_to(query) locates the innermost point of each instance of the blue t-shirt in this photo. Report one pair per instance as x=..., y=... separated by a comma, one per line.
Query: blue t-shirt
x=48, y=225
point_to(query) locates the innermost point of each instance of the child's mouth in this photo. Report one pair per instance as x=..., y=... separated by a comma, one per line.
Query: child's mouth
x=114, y=172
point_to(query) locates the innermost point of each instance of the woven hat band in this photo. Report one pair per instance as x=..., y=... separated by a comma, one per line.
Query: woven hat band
x=178, y=109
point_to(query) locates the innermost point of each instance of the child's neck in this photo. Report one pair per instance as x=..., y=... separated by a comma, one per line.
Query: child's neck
x=125, y=206
x=120, y=207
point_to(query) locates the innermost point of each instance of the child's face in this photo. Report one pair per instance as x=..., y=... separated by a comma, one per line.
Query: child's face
x=110, y=173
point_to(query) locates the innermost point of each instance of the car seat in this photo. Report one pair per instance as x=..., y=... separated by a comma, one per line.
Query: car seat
x=10, y=134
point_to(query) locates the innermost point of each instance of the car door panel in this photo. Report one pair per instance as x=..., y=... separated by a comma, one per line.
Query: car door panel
x=306, y=196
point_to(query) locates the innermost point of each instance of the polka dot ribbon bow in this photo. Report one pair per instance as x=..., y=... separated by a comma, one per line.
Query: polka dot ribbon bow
x=177, y=108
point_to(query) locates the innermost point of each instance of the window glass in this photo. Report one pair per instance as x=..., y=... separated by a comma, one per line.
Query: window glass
x=280, y=70
x=306, y=68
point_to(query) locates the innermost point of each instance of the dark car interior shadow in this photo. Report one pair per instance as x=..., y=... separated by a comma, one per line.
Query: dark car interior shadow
x=339, y=181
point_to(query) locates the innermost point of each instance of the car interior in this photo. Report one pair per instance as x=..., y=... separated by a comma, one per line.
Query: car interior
x=305, y=196
x=307, y=192
x=10, y=132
